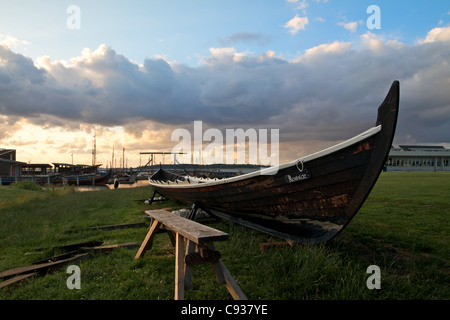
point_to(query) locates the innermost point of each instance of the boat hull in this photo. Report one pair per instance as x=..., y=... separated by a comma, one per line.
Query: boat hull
x=307, y=202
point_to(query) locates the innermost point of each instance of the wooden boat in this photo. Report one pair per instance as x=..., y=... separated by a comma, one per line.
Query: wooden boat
x=122, y=178
x=96, y=179
x=308, y=200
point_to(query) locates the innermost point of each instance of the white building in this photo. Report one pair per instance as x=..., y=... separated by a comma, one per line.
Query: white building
x=419, y=158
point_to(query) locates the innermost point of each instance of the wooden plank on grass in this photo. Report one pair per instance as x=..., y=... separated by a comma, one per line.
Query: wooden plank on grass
x=70, y=247
x=111, y=247
x=41, y=267
x=113, y=227
x=16, y=280
x=75, y=246
x=57, y=258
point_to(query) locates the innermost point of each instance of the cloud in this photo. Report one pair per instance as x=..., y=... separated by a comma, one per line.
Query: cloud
x=437, y=35
x=302, y=5
x=244, y=37
x=11, y=42
x=372, y=41
x=322, y=50
x=296, y=24
x=328, y=93
x=351, y=26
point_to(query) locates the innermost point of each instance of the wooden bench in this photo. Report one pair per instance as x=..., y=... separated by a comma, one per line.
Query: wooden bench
x=194, y=244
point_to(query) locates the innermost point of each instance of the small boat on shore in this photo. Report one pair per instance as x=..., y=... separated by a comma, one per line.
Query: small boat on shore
x=308, y=200
x=122, y=178
x=96, y=179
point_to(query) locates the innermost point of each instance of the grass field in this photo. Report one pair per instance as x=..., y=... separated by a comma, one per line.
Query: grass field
x=403, y=228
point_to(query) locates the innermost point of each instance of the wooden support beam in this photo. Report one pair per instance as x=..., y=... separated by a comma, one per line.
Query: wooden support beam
x=171, y=237
x=147, y=243
x=217, y=267
x=231, y=284
x=179, y=267
x=190, y=249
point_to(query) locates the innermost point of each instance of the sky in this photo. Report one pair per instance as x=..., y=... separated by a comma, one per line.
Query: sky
x=132, y=72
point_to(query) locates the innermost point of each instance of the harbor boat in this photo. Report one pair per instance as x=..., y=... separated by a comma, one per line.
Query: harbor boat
x=97, y=179
x=307, y=200
x=80, y=174
x=122, y=178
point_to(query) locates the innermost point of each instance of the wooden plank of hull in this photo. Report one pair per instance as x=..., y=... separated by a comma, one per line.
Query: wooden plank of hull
x=312, y=210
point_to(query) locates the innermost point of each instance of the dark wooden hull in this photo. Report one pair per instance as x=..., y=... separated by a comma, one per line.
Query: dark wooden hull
x=311, y=206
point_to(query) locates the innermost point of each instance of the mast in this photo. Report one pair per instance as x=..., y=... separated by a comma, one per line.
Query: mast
x=123, y=159
x=112, y=158
x=94, y=150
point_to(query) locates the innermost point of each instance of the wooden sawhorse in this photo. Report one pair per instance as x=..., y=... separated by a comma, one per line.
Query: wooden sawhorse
x=199, y=249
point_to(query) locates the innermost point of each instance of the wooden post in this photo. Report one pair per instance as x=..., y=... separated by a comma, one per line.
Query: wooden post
x=231, y=284
x=179, y=267
x=217, y=267
x=190, y=248
x=147, y=243
x=153, y=197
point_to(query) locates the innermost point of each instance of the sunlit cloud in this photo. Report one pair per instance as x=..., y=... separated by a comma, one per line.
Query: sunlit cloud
x=351, y=26
x=437, y=35
x=12, y=42
x=296, y=24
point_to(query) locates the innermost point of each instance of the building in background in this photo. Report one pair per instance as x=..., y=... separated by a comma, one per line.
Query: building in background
x=9, y=167
x=418, y=158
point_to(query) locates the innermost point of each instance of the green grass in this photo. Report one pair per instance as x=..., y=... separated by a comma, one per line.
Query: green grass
x=403, y=228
